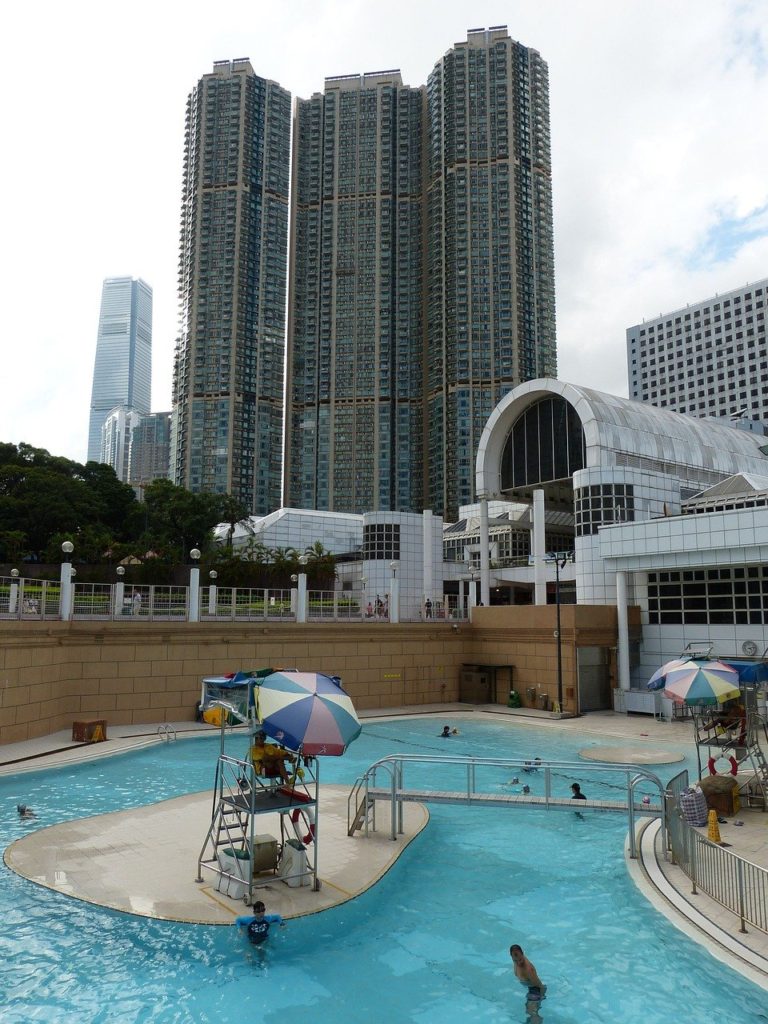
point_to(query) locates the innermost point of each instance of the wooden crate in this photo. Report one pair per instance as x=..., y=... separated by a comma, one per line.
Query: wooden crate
x=89, y=730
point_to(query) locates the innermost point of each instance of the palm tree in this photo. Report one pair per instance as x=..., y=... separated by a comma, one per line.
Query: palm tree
x=321, y=563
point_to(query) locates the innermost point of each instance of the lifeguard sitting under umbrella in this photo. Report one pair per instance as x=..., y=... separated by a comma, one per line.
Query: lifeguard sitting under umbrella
x=269, y=759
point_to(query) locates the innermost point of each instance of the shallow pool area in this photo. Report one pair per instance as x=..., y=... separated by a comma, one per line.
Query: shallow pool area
x=428, y=943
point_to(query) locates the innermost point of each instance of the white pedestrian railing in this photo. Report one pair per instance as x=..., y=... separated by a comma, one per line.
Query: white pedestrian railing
x=22, y=598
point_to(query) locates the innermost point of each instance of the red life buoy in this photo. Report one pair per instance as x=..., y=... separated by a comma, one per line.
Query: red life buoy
x=713, y=770
x=307, y=814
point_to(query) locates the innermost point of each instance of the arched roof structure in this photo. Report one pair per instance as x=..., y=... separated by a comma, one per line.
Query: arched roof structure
x=619, y=431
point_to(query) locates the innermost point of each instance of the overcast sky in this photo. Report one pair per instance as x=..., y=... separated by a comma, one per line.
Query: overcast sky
x=659, y=153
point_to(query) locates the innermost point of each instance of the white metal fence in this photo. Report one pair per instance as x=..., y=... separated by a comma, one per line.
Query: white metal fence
x=41, y=599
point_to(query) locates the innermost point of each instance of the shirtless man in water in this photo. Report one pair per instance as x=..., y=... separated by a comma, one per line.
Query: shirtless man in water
x=525, y=973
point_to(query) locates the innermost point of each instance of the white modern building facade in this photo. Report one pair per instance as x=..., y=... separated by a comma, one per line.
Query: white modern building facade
x=670, y=513
x=381, y=553
x=708, y=359
x=122, y=372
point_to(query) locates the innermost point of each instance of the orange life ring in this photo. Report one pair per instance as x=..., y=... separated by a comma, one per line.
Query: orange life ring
x=713, y=770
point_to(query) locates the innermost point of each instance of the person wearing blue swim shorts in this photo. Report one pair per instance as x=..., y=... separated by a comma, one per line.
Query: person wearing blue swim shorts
x=526, y=974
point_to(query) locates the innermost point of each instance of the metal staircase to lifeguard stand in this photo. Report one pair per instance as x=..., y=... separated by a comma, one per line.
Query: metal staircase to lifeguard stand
x=753, y=787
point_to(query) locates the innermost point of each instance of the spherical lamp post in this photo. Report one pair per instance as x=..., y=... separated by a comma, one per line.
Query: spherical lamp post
x=119, y=593
x=212, y=576
x=65, y=589
x=301, y=603
x=394, y=593
x=13, y=594
x=194, y=586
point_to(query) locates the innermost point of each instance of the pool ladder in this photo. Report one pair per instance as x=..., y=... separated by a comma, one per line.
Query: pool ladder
x=166, y=732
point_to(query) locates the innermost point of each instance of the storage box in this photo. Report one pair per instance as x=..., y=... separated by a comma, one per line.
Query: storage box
x=264, y=853
x=89, y=730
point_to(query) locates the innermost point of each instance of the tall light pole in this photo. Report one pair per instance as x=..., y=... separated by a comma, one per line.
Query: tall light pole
x=119, y=592
x=394, y=595
x=301, y=605
x=65, y=589
x=13, y=594
x=559, y=558
x=194, y=586
x=212, y=576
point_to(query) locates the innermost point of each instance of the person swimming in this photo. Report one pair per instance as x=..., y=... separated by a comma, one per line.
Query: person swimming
x=25, y=812
x=446, y=733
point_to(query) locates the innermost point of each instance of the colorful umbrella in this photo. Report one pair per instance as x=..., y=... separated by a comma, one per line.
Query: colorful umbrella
x=659, y=677
x=706, y=682
x=307, y=711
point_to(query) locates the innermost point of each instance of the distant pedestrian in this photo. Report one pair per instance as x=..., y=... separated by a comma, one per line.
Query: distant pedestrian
x=428, y=609
x=136, y=603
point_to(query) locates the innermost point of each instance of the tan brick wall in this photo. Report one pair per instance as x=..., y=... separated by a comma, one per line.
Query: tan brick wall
x=137, y=673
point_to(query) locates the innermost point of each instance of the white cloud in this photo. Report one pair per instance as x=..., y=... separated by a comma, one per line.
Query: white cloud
x=657, y=115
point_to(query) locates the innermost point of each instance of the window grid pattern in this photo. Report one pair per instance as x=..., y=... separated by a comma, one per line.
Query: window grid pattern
x=733, y=596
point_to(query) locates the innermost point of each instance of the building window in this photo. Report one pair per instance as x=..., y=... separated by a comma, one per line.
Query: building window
x=381, y=541
x=732, y=596
x=602, y=505
x=546, y=443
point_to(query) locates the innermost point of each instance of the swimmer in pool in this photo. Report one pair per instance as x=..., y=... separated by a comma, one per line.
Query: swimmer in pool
x=526, y=974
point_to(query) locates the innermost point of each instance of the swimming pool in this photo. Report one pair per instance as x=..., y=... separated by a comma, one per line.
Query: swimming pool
x=427, y=944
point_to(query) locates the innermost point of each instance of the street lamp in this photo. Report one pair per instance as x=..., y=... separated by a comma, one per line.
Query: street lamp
x=394, y=595
x=65, y=579
x=119, y=603
x=212, y=576
x=13, y=595
x=301, y=597
x=559, y=558
x=194, y=586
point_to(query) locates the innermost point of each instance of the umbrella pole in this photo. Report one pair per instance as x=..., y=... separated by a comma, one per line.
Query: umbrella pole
x=315, y=879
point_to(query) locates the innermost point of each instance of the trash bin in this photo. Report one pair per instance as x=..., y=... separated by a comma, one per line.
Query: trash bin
x=264, y=853
x=543, y=701
x=235, y=863
x=530, y=693
x=294, y=869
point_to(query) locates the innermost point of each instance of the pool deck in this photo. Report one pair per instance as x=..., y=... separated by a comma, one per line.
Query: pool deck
x=143, y=861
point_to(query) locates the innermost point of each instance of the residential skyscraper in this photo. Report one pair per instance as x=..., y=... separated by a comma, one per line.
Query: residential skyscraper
x=708, y=359
x=122, y=373
x=150, y=449
x=354, y=418
x=116, y=439
x=228, y=371
x=422, y=275
x=490, y=259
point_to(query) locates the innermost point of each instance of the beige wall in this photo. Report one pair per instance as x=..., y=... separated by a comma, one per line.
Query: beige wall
x=135, y=673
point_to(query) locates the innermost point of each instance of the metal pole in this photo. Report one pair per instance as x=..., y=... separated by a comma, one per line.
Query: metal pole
x=559, y=648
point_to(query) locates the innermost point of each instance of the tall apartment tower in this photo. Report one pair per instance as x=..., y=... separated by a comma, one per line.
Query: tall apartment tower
x=355, y=330
x=422, y=275
x=490, y=258
x=228, y=367
x=149, y=449
x=122, y=372
x=709, y=359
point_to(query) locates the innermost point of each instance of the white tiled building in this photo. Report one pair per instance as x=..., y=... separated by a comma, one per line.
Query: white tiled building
x=670, y=513
x=387, y=546
x=708, y=359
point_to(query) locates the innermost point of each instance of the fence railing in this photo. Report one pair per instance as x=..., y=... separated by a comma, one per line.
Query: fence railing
x=41, y=599
x=735, y=883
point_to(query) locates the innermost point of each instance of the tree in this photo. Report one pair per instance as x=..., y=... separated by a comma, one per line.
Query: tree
x=234, y=513
x=178, y=520
x=321, y=564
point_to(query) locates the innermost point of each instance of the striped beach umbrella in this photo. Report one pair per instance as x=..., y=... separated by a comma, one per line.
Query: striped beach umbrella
x=659, y=677
x=705, y=682
x=307, y=712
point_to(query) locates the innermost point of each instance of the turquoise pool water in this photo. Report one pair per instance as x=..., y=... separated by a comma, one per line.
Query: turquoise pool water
x=428, y=944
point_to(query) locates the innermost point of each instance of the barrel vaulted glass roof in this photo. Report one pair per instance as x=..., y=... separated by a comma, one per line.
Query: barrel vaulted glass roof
x=616, y=431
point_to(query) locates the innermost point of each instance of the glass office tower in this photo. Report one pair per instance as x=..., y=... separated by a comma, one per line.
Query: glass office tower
x=489, y=257
x=422, y=275
x=122, y=372
x=354, y=418
x=228, y=367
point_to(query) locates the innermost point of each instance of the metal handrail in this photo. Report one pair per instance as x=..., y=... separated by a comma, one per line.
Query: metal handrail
x=732, y=881
x=394, y=765
x=166, y=732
